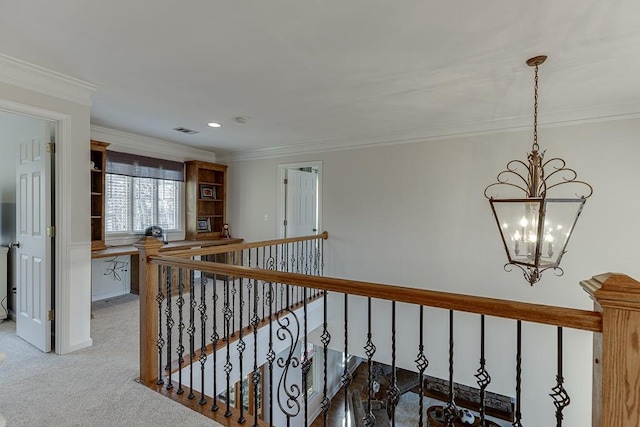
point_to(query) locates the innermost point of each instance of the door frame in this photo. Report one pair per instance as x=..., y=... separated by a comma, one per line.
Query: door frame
x=61, y=182
x=282, y=200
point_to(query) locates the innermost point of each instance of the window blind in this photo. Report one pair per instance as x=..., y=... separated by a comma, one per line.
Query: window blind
x=144, y=167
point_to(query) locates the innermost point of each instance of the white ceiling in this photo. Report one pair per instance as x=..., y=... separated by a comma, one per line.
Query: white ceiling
x=332, y=73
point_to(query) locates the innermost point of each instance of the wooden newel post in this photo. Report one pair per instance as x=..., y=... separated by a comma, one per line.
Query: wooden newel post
x=616, y=352
x=148, y=282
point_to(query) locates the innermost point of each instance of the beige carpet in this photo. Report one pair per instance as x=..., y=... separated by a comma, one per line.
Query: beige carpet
x=91, y=387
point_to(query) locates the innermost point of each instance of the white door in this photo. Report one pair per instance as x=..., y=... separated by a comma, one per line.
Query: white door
x=301, y=209
x=33, y=210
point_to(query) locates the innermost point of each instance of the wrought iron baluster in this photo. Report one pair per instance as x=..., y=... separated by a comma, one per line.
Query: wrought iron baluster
x=181, y=327
x=191, y=330
x=370, y=349
x=393, y=394
x=263, y=284
x=451, y=411
x=160, y=342
x=288, y=390
x=202, y=309
x=325, y=339
x=322, y=257
x=305, y=362
x=168, y=311
x=518, y=420
x=422, y=363
x=227, y=326
x=215, y=338
x=560, y=396
x=307, y=258
x=482, y=375
x=282, y=297
x=256, y=377
x=346, y=375
x=234, y=291
x=241, y=347
x=271, y=355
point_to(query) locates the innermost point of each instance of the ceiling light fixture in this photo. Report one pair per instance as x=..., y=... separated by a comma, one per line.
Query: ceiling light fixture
x=214, y=125
x=535, y=230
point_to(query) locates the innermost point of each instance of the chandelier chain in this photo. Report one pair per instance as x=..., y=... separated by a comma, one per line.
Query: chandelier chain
x=535, y=112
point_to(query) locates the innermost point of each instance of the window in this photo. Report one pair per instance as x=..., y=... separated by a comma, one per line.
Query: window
x=133, y=204
x=141, y=192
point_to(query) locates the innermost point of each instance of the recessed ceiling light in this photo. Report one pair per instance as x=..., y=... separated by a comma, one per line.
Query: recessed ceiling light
x=214, y=125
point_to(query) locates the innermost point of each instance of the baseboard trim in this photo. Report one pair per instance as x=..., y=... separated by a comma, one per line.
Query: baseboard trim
x=81, y=345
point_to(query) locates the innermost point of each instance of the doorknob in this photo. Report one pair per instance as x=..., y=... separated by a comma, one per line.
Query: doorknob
x=315, y=229
x=14, y=245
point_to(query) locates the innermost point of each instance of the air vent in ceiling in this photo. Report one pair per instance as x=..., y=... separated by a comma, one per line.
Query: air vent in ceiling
x=185, y=130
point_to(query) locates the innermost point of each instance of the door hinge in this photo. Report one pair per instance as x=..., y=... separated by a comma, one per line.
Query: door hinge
x=285, y=222
x=51, y=315
x=286, y=181
x=51, y=147
x=51, y=231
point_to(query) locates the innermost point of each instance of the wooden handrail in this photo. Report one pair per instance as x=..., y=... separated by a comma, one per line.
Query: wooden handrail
x=538, y=313
x=241, y=246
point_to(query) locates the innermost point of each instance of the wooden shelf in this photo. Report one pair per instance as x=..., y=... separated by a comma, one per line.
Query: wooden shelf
x=99, y=159
x=209, y=212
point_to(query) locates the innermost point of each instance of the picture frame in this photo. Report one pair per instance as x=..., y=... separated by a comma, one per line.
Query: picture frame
x=203, y=225
x=207, y=192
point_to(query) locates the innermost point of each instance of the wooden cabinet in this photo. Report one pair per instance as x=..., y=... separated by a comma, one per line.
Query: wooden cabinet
x=98, y=165
x=206, y=191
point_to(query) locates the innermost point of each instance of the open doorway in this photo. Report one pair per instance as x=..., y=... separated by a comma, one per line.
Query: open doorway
x=300, y=195
x=26, y=214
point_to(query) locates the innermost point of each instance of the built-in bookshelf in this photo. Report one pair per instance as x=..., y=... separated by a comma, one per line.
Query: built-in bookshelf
x=205, y=200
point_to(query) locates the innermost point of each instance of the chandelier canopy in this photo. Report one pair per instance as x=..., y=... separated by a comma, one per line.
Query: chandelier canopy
x=535, y=228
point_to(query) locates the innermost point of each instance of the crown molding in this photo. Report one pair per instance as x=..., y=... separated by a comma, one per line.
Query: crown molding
x=23, y=74
x=146, y=146
x=445, y=131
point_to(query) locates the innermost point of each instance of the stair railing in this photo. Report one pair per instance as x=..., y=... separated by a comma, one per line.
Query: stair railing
x=615, y=323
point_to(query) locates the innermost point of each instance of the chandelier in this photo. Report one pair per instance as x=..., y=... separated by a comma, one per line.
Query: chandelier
x=535, y=229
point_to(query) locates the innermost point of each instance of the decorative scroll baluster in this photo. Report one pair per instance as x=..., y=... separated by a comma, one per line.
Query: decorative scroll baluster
x=181, y=326
x=256, y=377
x=517, y=422
x=241, y=347
x=191, y=330
x=422, y=363
x=288, y=392
x=168, y=311
x=451, y=411
x=215, y=338
x=326, y=339
x=160, y=342
x=346, y=375
x=202, y=309
x=560, y=396
x=227, y=326
x=482, y=375
x=370, y=350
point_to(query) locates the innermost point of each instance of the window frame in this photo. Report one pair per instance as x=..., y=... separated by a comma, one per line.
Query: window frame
x=129, y=237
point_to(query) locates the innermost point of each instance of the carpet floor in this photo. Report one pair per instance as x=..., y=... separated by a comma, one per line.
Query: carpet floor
x=91, y=387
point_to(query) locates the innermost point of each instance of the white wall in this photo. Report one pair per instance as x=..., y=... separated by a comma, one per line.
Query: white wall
x=415, y=215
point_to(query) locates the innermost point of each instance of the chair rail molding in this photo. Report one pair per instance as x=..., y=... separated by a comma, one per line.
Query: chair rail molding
x=29, y=76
